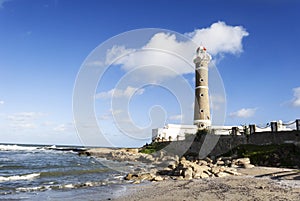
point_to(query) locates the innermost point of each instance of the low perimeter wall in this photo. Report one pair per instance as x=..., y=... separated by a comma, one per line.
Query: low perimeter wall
x=214, y=145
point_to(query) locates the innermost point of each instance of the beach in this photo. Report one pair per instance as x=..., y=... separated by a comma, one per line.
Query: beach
x=245, y=183
x=66, y=173
x=257, y=184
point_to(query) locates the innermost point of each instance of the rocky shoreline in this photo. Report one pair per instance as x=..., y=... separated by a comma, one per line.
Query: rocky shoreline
x=162, y=170
x=161, y=166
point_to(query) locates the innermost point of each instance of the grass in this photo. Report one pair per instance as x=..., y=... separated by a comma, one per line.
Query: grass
x=153, y=147
x=283, y=155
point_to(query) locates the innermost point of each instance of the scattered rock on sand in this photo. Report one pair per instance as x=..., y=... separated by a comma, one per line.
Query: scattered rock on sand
x=171, y=166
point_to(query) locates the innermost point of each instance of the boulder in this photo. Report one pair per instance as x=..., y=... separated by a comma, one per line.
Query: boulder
x=204, y=175
x=248, y=166
x=202, y=162
x=130, y=176
x=215, y=170
x=188, y=174
x=222, y=174
x=157, y=178
x=146, y=176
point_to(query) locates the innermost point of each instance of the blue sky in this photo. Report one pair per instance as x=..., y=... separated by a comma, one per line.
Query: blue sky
x=43, y=44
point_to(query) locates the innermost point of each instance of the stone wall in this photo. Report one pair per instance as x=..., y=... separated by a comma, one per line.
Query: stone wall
x=214, y=145
x=263, y=138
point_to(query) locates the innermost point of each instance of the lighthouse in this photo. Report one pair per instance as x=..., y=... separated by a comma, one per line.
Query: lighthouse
x=201, y=108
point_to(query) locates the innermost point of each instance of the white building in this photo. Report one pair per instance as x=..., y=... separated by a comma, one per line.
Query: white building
x=173, y=132
x=176, y=132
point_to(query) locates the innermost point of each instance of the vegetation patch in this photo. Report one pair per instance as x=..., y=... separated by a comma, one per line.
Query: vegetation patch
x=281, y=155
x=153, y=147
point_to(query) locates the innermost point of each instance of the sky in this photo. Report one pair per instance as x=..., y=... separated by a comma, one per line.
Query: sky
x=45, y=44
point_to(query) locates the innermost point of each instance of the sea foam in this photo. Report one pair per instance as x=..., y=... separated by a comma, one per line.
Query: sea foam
x=19, y=177
x=16, y=148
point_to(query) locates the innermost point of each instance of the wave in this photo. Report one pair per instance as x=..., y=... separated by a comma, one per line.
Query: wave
x=74, y=172
x=66, y=186
x=17, y=148
x=4, y=147
x=19, y=177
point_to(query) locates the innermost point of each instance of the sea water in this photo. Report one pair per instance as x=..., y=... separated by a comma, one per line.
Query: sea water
x=50, y=173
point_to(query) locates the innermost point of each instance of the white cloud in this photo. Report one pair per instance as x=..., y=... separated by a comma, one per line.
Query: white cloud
x=1, y=102
x=24, y=125
x=296, y=99
x=166, y=50
x=220, y=38
x=95, y=63
x=24, y=120
x=2, y=3
x=119, y=93
x=69, y=127
x=244, y=113
x=25, y=116
x=115, y=53
x=176, y=117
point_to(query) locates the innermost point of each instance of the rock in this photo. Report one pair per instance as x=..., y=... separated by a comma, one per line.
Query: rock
x=220, y=163
x=180, y=178
x=241, y=161
x=137, y=182
x=200, y=169
x=132, y=150
x=130, y=176
x=188, y=173
x=202, y=162
x=227, y=162
x=157, y=178
x=222, y=174
x=182, y=159
x=146, y=159
x=204, y=175
x=215, y=170
x=176, y=158
x=248, y=166
x=146, y=176
x=208, y=160
x=172, y=166
x=233, y=165
x=231, y=171
x=208, y=173
x=166, y=172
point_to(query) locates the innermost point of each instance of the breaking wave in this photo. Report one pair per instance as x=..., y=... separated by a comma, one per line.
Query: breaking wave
x=17, y=148
x=19, y=177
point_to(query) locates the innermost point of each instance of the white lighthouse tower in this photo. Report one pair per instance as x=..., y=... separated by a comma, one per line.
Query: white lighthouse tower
x=201, y=109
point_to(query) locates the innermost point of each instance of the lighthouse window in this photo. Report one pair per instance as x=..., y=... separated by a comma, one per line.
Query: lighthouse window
x=201, y=94
x=201, y=80
x=201, y=110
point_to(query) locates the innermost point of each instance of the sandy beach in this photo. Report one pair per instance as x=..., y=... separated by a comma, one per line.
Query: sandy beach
x=258, y=184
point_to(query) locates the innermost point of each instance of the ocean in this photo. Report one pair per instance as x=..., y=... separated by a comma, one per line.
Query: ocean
x=57, y=173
